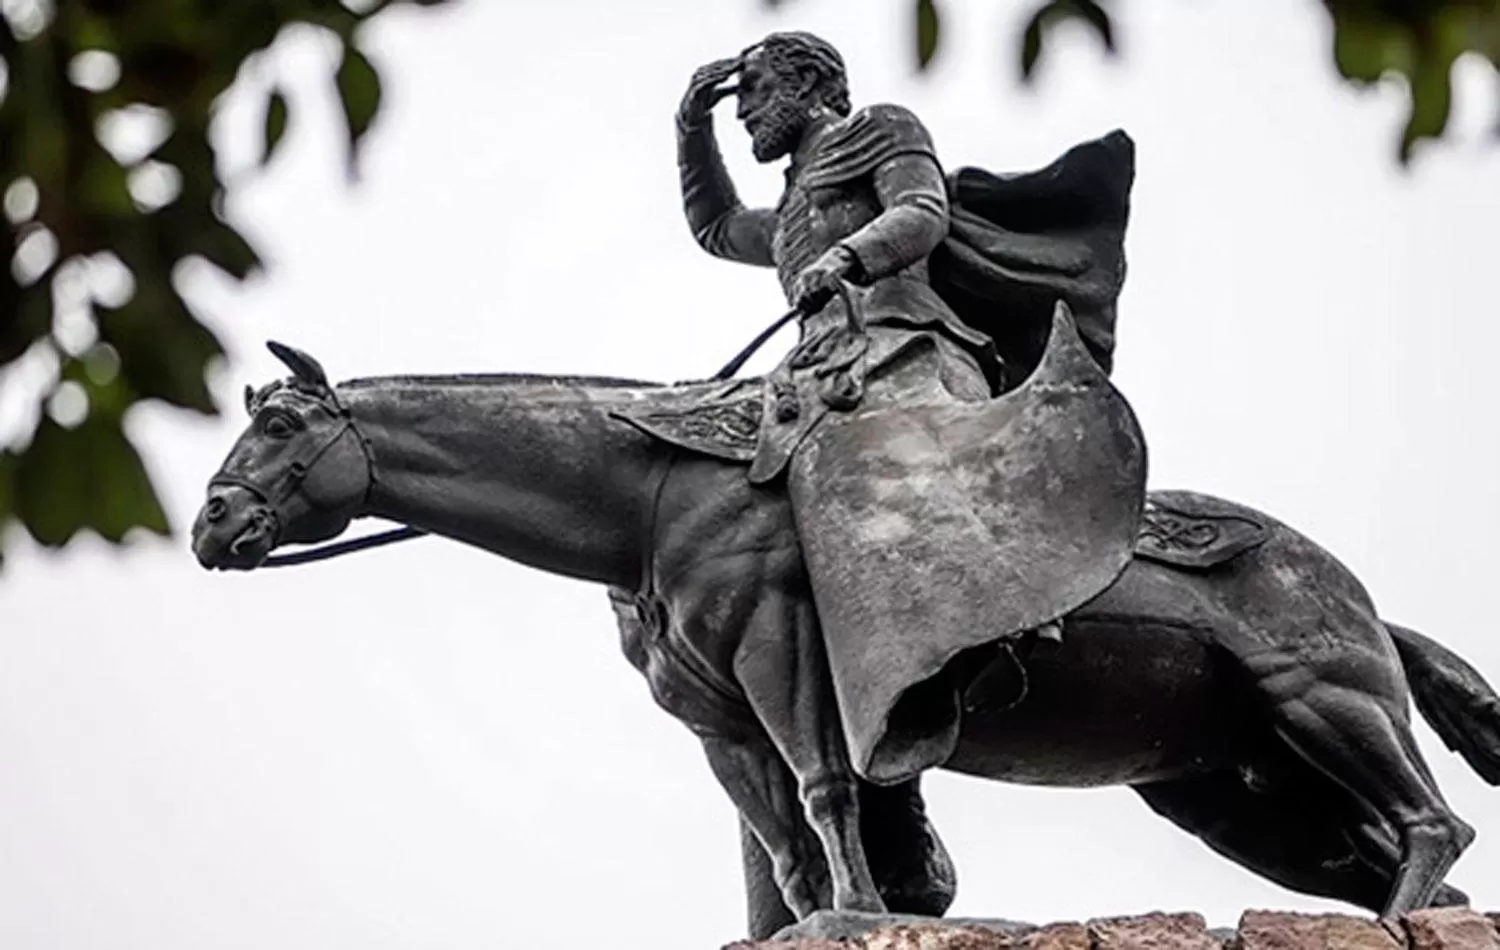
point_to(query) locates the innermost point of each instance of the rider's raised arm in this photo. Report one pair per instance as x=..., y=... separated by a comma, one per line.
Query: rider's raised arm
x=721, y=225
x=914, y=194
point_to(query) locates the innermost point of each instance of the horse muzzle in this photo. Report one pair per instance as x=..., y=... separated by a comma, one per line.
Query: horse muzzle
x=234, y=530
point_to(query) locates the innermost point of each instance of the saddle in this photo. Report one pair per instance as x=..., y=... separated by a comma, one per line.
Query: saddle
x=723, y=424
x=1179, y=529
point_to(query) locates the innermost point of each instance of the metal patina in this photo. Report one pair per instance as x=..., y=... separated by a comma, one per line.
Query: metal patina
x=922, y=541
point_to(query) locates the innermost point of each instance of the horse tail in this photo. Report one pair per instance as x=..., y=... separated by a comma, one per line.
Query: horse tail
x=1451, y=695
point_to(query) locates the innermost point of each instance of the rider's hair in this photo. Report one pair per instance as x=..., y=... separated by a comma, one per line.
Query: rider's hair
x=793, y=53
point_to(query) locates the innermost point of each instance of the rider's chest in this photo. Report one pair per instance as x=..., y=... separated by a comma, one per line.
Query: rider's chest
x=811, y=220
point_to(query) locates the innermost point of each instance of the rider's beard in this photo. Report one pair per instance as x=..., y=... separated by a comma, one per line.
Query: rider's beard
x=778, y=128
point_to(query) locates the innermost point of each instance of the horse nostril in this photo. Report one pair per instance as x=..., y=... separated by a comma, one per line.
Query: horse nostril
x=215, y=510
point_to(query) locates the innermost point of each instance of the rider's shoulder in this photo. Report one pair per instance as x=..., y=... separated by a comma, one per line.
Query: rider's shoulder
x=864, y=140
x=889, y=120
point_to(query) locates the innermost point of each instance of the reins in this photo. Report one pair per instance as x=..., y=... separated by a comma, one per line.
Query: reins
x=335, y=548
x=406, y=532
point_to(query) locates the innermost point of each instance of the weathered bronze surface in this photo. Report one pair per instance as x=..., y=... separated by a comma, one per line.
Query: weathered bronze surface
x=922, y=541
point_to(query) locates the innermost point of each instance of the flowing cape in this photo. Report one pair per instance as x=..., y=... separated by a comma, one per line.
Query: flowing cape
x=1018, y=243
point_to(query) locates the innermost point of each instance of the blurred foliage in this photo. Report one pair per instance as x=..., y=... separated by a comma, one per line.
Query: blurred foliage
x=90, y=299
x=1418, y=40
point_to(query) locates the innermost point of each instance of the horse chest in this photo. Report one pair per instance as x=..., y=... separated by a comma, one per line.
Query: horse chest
x=679, y=677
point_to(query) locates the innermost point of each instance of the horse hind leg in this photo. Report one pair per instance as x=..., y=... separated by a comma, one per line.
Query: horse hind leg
x=911, y=865
x=1290, y=834
x=1346, y=717
x=1304, y=832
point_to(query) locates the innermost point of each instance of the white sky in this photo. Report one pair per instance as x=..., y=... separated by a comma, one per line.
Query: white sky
x=429, y=747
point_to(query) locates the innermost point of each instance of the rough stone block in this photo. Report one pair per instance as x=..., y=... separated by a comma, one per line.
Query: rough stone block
x=935, y=938
x=1451, y=928
x=1266, y=930
x=1152, y=932
x=1056, y=937
x=1454, y=928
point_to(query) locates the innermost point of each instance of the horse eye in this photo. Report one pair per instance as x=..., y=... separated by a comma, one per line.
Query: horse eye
x=279, y=427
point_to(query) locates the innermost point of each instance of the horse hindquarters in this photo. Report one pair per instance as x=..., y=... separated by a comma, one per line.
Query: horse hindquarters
x=1337, y=695
x=1362, y=740
x=1231, y=673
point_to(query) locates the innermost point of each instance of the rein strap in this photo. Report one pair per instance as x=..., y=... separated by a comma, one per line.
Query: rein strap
x=336, y=548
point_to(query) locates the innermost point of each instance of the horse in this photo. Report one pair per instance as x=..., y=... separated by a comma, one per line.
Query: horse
x=1262, y=706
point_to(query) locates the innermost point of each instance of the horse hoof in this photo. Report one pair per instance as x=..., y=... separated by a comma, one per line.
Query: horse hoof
x=839, y=925
x=1450, y=896
x=860, y=904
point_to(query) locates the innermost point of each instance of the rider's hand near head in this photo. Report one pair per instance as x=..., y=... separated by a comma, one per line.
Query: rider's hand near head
x=706, y=89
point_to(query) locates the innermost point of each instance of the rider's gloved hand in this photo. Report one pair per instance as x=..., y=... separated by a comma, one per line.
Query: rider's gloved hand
x=816, y=285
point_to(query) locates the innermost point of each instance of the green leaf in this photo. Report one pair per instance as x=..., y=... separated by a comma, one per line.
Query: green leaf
x=929, y=31
x=104, y=186
x=164, y=351
x=1031, y=46
x=1095, y=16
x=7, y=486
x=1431, y=102
x=7, y=496
x=359, y=91
x=275, y=125
x=1049, y=15
x=220, y=244
x=88, y=477
x=30, y=315
x=1420, y=42
x=1365, y=47
x=108, y=396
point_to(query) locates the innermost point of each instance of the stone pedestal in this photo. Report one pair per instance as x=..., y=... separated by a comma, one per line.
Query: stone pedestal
x=1441, y=929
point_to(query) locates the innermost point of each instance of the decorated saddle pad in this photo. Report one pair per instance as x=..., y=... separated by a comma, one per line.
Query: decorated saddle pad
x=1196, y=532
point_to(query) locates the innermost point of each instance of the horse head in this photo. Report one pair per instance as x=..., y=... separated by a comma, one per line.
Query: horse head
x=300, y=472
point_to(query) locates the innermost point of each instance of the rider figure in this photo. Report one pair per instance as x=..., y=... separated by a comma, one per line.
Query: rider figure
x=865, y=200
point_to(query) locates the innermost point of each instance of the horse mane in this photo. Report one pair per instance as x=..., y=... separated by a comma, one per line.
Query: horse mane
x=499, y=379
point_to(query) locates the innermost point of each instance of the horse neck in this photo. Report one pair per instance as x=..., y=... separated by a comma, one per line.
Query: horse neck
x=531, y=469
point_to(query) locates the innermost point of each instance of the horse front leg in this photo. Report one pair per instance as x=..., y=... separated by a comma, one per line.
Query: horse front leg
x=831, y=801
x=756, y=779
x=783, y=671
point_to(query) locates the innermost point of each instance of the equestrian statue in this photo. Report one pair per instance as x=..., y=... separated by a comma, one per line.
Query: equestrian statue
x=923, y=540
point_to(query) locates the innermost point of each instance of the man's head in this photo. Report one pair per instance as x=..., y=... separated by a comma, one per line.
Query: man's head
x=786, y=82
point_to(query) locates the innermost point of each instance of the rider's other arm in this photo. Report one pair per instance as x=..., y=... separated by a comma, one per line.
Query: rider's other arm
x=914, y=195
x=721, y=225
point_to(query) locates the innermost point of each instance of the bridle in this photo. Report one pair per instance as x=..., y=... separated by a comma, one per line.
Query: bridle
x=286, y=485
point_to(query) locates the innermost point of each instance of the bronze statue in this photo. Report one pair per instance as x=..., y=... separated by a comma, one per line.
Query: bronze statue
x=834, y=574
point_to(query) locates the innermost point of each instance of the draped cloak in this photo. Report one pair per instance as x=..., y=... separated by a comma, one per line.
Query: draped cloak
x=932, y=530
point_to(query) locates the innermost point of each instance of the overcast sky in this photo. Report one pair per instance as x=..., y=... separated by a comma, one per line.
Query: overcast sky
x=427, y=746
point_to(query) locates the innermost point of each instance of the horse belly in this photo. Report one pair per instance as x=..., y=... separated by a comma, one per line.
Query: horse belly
x=1115, y=703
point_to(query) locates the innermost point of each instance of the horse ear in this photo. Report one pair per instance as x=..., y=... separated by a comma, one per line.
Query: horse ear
x=250, y=399
x=304, y=367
